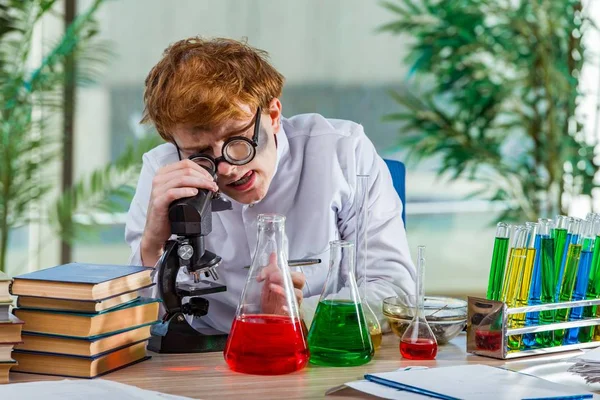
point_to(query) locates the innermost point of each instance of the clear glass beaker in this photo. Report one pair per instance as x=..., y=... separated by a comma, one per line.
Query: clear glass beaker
x=362, y=220
x=339, y=335
x=267, y=335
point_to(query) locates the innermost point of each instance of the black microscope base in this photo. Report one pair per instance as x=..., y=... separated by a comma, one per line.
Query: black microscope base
x=178, y=336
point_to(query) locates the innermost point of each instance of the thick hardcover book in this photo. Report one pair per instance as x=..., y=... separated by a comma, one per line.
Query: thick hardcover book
x=10, y=329
x=83, y=325
x=78, y=366
x=77, y=281
x=87, y=347
x=44, y=303
x=5, y=309
x=4, y=287
x=5, y=367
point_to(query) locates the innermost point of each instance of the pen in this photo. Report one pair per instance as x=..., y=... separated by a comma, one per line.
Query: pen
x=408, y=388
x=300, y=263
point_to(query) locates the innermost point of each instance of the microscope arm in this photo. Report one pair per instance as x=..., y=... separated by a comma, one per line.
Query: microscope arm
x=168, y=268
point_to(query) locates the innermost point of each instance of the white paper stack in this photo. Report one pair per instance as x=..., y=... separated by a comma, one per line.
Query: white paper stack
x=98, y=389
x=466, y=382
x=588, y=366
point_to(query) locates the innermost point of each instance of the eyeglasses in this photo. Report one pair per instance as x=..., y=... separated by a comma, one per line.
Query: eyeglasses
x=237, y=150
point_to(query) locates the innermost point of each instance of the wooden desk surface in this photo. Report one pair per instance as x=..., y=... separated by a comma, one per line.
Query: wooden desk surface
x=207, y=376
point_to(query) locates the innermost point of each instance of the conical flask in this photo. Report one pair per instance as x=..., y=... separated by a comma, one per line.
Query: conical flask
x=266, y=336
x=362, y=219
x=339, y=335
x=418, y=341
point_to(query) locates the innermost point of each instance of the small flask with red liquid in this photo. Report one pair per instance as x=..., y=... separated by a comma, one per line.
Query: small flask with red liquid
x=418, y=341
x=267, y=336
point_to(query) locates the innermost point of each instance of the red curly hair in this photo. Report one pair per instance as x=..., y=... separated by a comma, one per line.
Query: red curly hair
x=204, y=82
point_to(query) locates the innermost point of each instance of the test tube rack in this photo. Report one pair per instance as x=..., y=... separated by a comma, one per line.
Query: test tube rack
x=488, y=331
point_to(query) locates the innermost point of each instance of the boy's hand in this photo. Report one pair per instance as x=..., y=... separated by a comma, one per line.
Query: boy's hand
x=273, y=294
x=172, y=182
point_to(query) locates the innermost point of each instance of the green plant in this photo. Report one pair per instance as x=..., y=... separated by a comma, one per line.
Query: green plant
x=30, y=102
x=498, y=98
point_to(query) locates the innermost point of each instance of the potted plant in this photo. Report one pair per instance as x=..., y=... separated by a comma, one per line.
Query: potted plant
x=494, y=91
x=30, y=101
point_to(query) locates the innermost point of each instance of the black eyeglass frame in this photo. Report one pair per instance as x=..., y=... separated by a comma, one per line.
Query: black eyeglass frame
x=215, y=161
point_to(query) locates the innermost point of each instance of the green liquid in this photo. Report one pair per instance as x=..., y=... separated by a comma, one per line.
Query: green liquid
x=566, y=288
x=497, y=268
x=339, y=336
x=544, y=339
x=560, y=239
x=593, y=292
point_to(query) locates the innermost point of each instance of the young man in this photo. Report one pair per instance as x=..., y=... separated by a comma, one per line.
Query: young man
x=205, y=96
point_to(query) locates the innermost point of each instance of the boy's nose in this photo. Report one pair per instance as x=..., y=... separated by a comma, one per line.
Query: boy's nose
x=225, y=169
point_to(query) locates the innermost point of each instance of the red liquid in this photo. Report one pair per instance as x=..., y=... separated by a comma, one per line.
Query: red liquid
x=421, y=349
x=488, y=340
x=266, y=345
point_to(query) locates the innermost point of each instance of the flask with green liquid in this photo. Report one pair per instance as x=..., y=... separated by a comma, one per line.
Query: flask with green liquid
x=339, y=335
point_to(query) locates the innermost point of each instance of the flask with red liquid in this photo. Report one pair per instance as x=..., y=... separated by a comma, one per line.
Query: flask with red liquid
x=267, y=335
x=418, y=341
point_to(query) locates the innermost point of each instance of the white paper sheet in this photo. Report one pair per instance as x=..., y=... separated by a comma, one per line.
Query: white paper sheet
x=97, y=389
x=591, y=356
x=470, y=382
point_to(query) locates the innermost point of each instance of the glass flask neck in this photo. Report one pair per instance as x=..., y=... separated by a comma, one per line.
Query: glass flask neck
x=271, y=223
x=269, y=267
x=341, y=281
x=419, y=283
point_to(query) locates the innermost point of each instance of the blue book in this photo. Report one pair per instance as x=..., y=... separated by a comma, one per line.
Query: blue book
x=84, y=282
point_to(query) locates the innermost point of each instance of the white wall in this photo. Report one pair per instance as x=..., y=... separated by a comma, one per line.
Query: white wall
x=308, y=40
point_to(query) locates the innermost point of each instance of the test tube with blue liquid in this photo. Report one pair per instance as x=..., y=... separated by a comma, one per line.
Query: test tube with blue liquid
x=535, y=290
x=582, y=281
x=593, y=288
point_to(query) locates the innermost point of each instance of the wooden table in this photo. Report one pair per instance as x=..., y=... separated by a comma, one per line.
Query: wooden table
x=206, y=376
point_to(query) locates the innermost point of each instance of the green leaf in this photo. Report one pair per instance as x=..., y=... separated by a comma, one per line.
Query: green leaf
x=106, y=189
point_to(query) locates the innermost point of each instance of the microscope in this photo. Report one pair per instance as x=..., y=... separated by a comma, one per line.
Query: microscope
x=191, y=221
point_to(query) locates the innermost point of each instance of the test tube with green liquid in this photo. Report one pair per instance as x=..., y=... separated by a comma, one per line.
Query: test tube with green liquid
x=498, y=265
x=593, y=288
x=559, y=233
x=518, y=320
x=568, y=279
x=547, y=272
x=575, y=225
x=514, y=276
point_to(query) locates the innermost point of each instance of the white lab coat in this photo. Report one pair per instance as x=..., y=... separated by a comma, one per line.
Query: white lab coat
x=314, y=187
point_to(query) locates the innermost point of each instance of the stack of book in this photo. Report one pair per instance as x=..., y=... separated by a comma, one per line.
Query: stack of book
x=10, y=329
x=83, y=320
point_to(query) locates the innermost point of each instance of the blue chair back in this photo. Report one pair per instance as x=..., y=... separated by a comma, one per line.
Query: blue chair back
x=398, y=172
